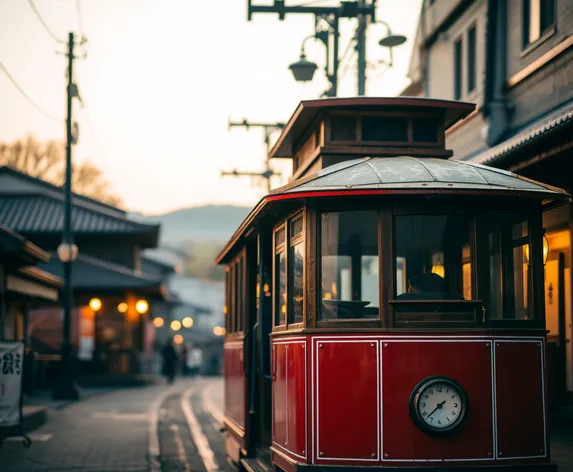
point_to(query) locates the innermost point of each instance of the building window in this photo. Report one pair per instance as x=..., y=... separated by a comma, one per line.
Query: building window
x=458, y=58
x=471, y=61
x=538, y=19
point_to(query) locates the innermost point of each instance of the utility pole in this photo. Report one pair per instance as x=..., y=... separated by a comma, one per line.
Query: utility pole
x=361, y=9
x=361, y=50
x=268, y=173
x=68, y=251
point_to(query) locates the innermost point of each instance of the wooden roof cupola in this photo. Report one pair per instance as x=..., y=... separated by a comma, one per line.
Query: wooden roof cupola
x=325, y=132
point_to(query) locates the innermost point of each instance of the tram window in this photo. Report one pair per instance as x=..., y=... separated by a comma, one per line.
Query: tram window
x=349, y=265
x=433, y=257
x=343, y=128
x=296, y=266
x=509, y=272
x=280, y=277
x=425, y=130
x=382, y=128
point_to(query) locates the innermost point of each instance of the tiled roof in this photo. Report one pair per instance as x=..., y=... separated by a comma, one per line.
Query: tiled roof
x=44, y=214
x=541, y=128
x=91, y=274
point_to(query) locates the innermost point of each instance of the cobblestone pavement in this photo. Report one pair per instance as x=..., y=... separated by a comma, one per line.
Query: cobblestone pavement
x=155, y=429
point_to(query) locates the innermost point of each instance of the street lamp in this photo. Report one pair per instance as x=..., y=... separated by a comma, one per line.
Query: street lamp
x=303, y=70
x=141, y=306
x=389, y=41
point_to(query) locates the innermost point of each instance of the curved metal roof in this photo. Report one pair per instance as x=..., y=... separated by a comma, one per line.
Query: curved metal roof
x=410, y=173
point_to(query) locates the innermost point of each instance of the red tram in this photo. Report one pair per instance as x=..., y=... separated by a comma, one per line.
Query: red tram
x=385, y=309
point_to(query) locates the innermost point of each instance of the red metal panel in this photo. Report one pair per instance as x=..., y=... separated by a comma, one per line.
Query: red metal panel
x=520, y=406
x=296, y=394
x=280, y=398
x=404, y=365
x=234, y=383
x=347, y=400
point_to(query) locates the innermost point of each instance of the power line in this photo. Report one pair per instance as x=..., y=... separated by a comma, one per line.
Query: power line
x=46, y=27
x=26, y=96
x=309, y=4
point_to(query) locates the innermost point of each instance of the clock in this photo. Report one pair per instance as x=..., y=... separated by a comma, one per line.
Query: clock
x=438, y=405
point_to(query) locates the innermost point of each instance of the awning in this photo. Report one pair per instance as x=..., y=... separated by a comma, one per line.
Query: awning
x=542, y=128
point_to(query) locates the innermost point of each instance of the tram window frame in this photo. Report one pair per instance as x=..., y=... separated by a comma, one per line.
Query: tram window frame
x=295, y=239
x=280, y=248
x=285, y=248
x=341, y=323
x=227, y=308
x=410, y=118
x=235, y=294
x=535, y=276
x=473, y=306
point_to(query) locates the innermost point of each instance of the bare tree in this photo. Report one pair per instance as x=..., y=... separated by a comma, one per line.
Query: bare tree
x=46, y=161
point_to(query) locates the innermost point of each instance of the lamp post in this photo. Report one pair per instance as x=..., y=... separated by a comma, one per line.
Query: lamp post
x=68, y=251
x=303, y=70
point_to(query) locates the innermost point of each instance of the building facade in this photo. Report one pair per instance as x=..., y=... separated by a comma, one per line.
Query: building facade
x=113, y=334
x=514, y=59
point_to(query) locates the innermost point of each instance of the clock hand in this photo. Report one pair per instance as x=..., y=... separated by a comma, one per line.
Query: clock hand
x=437, y=408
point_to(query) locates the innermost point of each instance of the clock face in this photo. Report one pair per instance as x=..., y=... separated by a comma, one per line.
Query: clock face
x=438, y=404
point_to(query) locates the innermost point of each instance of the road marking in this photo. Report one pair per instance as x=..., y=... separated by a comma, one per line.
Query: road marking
x=205, y=451
x=120, y=416
x=210, y=408
x=180, y=447
x=153, y=432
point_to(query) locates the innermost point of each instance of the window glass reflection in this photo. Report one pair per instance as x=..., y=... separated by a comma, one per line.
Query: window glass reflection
x=433, y=257
x=349, y=265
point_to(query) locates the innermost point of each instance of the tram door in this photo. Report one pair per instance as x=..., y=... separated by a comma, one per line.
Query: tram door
x=263, y=387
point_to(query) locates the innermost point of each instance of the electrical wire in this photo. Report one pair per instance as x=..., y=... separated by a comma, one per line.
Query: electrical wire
x=309, y=4
x=25, y=95
x=46, y=27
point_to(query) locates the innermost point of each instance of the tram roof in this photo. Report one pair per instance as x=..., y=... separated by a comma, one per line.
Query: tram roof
x=401, y=176
x=309, y=110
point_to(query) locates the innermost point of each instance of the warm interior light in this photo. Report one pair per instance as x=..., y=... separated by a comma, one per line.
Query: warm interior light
x=141, y=307
x=439, y=270
x=175, y=325
x=158, y=322
x=178, y=339
x=225, y=309
x=219, y=331
x=188, y=322
x=545, y=250
x=122, y=307
x=283, y=309
x=95, y=304
x=266, y=287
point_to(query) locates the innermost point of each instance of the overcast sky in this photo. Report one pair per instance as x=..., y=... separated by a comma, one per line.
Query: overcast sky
x=163, y=77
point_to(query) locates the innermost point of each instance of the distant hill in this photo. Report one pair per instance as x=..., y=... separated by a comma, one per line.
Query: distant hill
x=213, y=223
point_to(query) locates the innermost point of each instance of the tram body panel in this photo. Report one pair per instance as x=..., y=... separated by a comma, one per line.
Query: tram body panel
x=520, y=399
x=290, y=393
x=358, y=390
x=235, y=386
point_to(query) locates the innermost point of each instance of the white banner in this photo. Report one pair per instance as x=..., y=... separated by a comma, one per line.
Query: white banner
x=11, y=369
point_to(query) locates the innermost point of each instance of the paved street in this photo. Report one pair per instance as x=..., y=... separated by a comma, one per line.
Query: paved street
x=155, y=429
